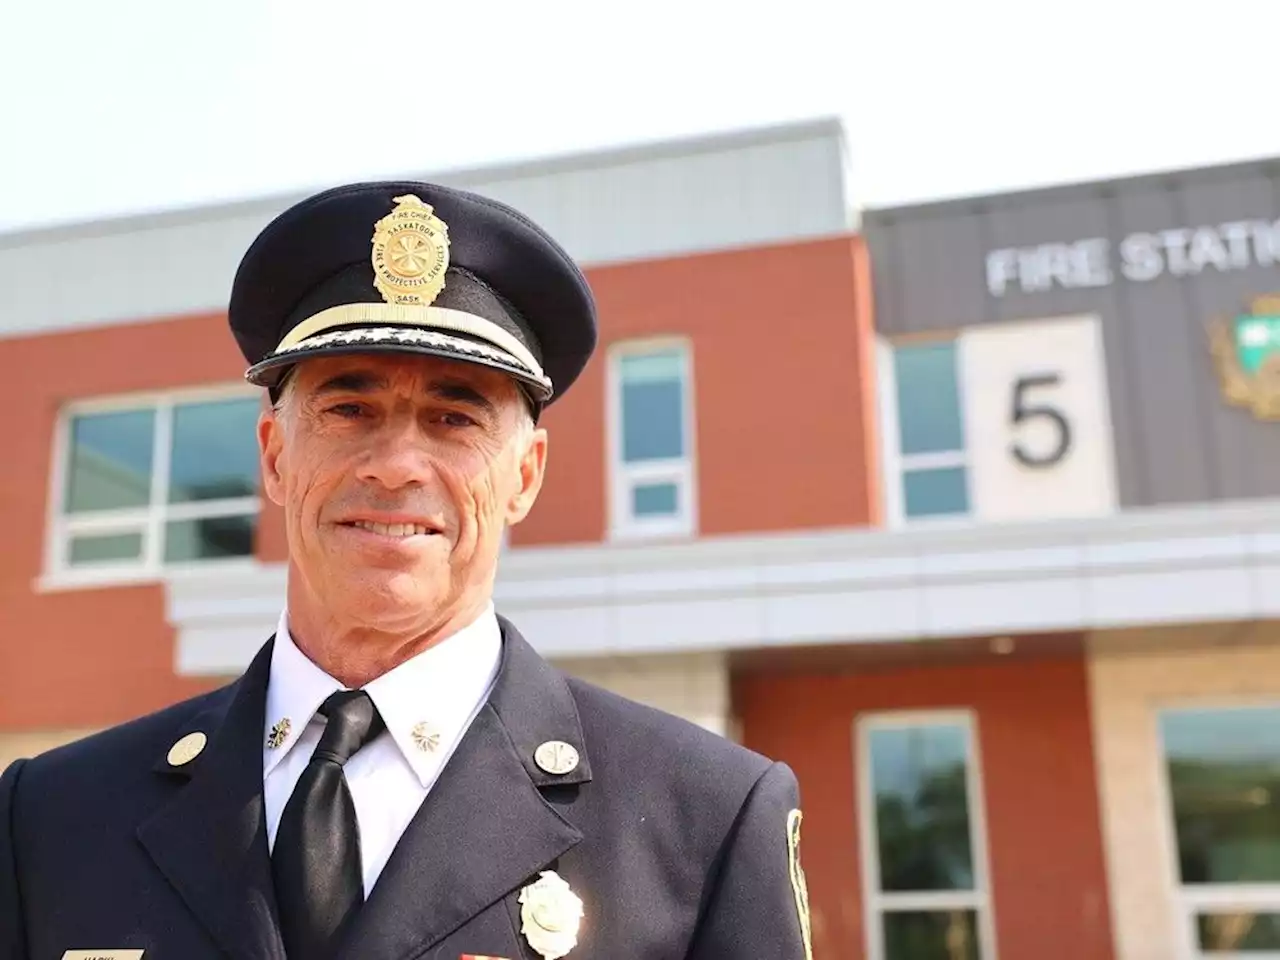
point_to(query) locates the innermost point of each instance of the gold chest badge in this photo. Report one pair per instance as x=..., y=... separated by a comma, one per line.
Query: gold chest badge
x=550, y=913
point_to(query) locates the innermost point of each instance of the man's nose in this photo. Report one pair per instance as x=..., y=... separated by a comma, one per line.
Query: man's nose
x=399, y=456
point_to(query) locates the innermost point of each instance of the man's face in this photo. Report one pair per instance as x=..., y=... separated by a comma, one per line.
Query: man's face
x=397, y=474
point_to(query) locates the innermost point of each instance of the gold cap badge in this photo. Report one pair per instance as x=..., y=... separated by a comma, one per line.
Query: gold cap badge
x=550, y=914
x=187, y=749
x=410, y=253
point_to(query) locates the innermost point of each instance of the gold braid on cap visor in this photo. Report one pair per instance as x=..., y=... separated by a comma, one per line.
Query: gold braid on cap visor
x=440, y=319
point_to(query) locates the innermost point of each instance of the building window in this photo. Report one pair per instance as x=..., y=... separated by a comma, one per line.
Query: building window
x=924, y=430
x=142, y=486
x=923, y=842
x=650, y=438
x=1222, y=771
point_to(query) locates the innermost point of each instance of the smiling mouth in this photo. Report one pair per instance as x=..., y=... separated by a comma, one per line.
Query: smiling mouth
x=393, y=529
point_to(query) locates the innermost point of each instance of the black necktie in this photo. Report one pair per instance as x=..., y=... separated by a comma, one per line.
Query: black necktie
x=316, y=859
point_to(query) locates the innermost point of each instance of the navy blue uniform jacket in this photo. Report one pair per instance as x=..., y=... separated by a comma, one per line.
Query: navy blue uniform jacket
x=675, y=839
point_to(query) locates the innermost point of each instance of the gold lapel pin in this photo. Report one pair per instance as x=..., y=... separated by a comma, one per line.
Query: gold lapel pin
x=279, y=733
x=557, y=757
x=187, y=749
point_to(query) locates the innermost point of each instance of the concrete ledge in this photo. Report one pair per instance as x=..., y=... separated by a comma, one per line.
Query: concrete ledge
x=1202, y=563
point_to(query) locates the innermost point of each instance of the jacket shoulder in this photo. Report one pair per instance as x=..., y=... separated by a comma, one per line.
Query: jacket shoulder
x=674, y=800
x=623, y=734
x=135, y=745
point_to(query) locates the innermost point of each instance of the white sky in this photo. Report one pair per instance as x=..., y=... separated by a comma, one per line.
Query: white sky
x=130, y=105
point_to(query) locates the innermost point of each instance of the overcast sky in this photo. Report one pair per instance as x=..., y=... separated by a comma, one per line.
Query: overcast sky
x=132, y=105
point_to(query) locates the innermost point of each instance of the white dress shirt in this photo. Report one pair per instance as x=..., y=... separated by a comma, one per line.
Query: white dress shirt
x=427, y=702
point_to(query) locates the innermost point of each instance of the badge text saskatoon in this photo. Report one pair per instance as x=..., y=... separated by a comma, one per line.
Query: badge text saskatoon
x=1141, y=257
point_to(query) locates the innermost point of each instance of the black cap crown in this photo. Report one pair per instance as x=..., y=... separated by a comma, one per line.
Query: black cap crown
x=413, y=267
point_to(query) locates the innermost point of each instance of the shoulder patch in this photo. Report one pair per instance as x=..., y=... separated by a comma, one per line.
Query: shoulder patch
x=798, y=885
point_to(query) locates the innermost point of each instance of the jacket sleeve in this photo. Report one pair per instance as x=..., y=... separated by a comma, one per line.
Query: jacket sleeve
x=759, y=905
x=12, y=936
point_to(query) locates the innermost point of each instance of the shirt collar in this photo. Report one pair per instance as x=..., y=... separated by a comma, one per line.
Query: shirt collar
x=427, y=702
x=295, y=689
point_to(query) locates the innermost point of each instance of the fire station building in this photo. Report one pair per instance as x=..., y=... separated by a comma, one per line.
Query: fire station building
x=968, y=511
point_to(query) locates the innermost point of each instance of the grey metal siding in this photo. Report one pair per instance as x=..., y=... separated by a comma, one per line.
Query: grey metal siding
x=665, y=206
x=64, y=280
x=764, y=186
x=1176, y=440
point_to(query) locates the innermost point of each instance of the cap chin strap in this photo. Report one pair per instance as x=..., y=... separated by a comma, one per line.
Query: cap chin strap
x=407, y=315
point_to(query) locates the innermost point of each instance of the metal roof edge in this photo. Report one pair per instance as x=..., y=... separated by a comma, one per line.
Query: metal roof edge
x=603, y=157
x=970, y=202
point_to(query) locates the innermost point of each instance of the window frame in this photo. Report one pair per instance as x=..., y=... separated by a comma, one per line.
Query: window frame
x=1189, y=899
x=875, y=902
x=149, y=520
x=895, y=463
x=682, y=471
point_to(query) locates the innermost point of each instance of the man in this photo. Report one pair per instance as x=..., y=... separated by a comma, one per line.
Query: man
x=398, y=774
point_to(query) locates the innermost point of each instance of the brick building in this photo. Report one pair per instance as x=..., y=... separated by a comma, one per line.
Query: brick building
x=937, y=542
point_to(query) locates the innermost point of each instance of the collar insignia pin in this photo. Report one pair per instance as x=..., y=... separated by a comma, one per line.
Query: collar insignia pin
x=279, y=733
x=550, y=913
x=425, y=737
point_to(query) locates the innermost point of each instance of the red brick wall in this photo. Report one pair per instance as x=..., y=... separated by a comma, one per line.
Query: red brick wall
x=782, y=348
x=782, y=344
x=1048, y=880
x=86, y=657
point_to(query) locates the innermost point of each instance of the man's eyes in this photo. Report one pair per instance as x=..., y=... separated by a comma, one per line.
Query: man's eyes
x=451, y=418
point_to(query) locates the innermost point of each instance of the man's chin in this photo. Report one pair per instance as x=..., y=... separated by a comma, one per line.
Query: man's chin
x=371, y=590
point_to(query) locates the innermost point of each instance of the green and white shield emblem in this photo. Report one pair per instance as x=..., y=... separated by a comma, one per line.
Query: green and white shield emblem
x=1246, y=351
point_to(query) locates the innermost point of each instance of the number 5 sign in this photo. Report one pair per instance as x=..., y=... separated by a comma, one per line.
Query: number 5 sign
x=1025, y=411
x=1037, y=419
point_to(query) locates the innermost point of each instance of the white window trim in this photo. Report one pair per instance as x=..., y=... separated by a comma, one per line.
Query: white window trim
x=57, y=574
x=890, y=442
x=876, y=902
x=895, y=462
x=682, y=471
x=1189, y=899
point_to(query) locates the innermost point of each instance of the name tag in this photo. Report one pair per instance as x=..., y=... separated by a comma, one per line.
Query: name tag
x=102, y=955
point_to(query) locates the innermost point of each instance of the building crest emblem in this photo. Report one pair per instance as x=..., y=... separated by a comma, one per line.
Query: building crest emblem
x=1246, y=356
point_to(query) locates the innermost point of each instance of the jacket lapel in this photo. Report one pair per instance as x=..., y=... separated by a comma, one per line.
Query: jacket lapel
x=485, y=829
x=210, y=841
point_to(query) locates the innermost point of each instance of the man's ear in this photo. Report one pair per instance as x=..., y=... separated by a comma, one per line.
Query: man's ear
x=270, y=449
x=532, y=466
